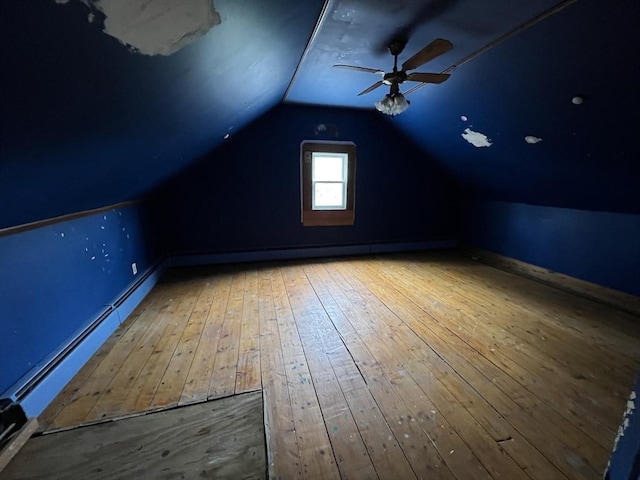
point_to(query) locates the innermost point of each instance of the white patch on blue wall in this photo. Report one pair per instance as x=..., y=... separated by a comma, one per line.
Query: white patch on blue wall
x=476, y=139
x=631, y=406
x=154, y=27
x=532, y=140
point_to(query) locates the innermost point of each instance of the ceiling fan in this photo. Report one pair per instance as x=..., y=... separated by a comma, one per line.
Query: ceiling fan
x=394, y=102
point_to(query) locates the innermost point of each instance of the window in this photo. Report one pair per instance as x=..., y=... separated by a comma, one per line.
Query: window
x=328, y=183
x=329, y=178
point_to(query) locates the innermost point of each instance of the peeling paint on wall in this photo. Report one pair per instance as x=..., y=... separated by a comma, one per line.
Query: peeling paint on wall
x=532, y=140
x=476, y=139
x=631, y=406
x=154, y=27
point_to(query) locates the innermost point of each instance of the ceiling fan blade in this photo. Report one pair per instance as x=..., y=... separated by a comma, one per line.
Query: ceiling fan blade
x=431, y=51
x=361, y=69
x=371, y=88
x=428, y=77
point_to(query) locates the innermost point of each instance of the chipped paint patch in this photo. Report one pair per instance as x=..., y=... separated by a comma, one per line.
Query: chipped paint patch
x=155, y=27
x=464, y=118
x=532, y=140
x=476, y=139
x=631, y=406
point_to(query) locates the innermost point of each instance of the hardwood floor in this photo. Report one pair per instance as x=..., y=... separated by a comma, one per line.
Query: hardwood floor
x=401, y=366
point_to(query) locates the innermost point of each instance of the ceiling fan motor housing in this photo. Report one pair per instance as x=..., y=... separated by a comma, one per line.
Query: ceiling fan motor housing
x=397, y=46
x=394, y=78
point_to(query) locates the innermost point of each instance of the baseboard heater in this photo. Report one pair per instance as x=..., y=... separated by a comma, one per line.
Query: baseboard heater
x=32, y=383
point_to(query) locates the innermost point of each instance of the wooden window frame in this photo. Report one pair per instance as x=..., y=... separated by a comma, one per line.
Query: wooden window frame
x=326, y=218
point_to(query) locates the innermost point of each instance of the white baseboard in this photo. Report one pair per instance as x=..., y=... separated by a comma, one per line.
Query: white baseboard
x=36, y=398
x=306, y=252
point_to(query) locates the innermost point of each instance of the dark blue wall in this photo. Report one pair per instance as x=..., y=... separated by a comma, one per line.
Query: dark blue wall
x=56, y=279
x=87, y=123
x=247, y=195
x=598, y=247
x=524, y=86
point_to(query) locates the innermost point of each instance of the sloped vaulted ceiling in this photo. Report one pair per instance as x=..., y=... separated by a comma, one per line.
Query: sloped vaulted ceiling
x=582, y=156
x=92, y=116
x=527, y=141
x=86, y=121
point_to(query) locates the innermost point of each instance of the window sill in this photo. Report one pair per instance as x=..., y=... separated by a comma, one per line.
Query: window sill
x=328, y=218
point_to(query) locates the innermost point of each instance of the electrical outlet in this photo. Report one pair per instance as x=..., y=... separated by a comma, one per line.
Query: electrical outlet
x=134, y=268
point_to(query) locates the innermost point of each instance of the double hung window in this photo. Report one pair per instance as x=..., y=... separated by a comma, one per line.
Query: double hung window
x=328, y=183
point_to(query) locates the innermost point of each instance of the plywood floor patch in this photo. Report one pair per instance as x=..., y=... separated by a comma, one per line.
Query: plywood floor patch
x=217, y=439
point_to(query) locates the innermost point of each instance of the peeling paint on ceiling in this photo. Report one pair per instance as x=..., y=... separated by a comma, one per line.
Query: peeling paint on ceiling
x=155, y=27
x=532, y=139
x=476, y=139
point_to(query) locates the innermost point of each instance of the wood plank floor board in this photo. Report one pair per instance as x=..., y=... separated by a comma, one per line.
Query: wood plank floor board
x=456, y=391
x=553, y=433
x=133, y=340
x=546, y=337
x=586, y=451
x=378, y=438
x=198, y=381
x=524, y=316
x=313, y=440
x=578, y=405
x=69, y=392
x=422, y=365
x=579, y=316
x=318, y=336
x=225, y=367
x=283, y=451
x=100, y=366
x=248, y=371
x=172, y=384
x=416, y=444
x=376, y=432
x=133, y=388
x=465, y=464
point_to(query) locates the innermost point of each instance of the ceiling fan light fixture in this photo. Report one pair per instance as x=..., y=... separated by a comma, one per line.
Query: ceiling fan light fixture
x=392, y=104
